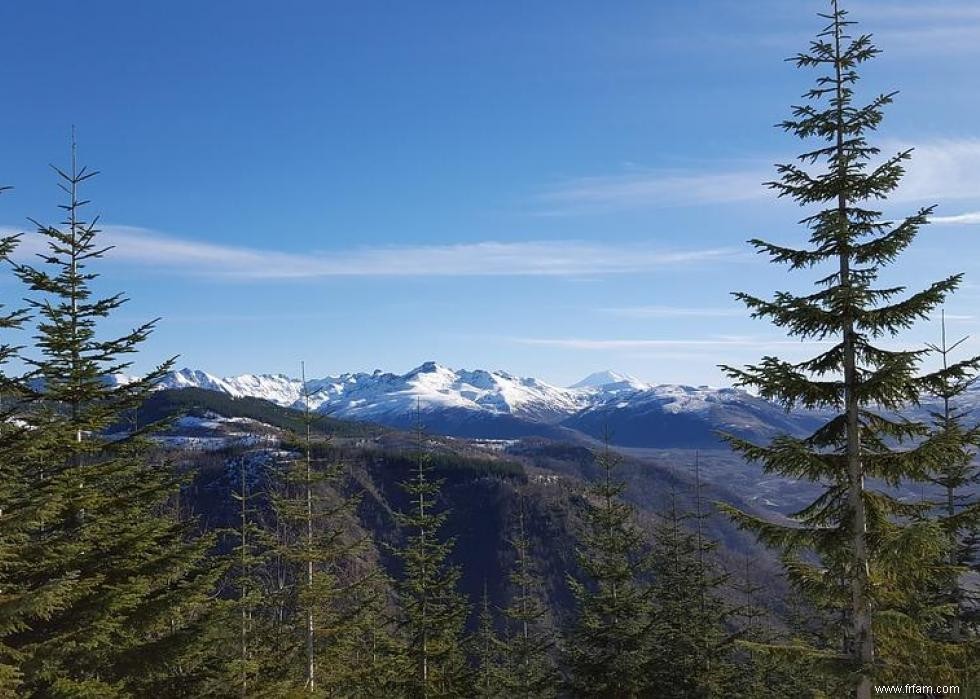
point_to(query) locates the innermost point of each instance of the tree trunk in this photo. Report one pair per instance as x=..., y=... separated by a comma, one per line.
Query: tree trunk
x=862, y=639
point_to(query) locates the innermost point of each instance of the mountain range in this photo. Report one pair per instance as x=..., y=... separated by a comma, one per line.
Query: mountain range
x=498, y=405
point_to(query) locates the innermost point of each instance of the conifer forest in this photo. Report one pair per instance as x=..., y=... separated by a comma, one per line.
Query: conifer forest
x=164, y=533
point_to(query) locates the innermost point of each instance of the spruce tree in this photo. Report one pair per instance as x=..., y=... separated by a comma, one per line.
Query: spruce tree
x=691, y=645
x=17, y=607
x=246, y=613
x=606, y=645
x=379, y=660
x=859, y=534
x=958, y=509
x=433, y=612
x=488, y=680
x=766, y=658
x=316, y=549
x=125, y=588
x=528, y=664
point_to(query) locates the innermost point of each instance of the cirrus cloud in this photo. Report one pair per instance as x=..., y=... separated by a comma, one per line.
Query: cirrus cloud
x=558, y=258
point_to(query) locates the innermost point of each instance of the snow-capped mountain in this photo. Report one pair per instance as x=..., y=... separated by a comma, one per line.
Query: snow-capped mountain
x=277, y=388
x=432, y=387
x=685, y=416
x=609, y=382
x=495, y=404
x=480, y=403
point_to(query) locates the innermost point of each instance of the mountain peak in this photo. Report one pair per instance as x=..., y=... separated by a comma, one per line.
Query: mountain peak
x=609, y=378
x=429, y=367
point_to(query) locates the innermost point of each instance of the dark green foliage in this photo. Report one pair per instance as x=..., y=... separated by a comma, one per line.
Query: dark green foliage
x=854, y=547
x=18, y=607
x=120, y=592
x=433, y=612
x=606, y=646
x=245, y=621
x=379, y=662
x=488, y=651
x=691, y=645
x=299, y=581
x=528, y=663
x=958, y=509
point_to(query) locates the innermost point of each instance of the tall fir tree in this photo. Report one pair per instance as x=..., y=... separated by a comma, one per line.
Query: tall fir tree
x=18, y=608
x=317, y=548
x=488, y=654
x=859, y=534
x=606, y=646
x=958, y=509
x=691, y=644
x=433, y=611
x=243, y=636
x=379, y=659
x=529, y=666
x=766, y=657
x=125, y=588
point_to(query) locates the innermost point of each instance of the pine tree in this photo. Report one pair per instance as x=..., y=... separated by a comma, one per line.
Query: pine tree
x=433, y=612
x=751, y=676
x=959, y=508
x=319, y=598
x=766, y=658
x=488, y=681
x=606, y=648
x=124, y=588
x=860, y=535
x=528, y=665
x=691, y=644
x=246, y=614
x=17, y=608
x=379, y=659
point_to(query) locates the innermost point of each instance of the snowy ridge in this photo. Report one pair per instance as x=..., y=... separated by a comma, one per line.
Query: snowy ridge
x=276, y=388
x=481, y=404
x=432, y=387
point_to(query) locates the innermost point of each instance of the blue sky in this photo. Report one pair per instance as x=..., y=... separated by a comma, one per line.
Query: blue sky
x=548, y=188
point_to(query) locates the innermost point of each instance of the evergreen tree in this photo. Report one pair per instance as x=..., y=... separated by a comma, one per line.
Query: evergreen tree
x=529, y=667
x=862, y=537
x=123, y=591
x=488, y=681
x=606, y=648
x=433, y=612
x=959, y=508
x=243, y=637
x=691, y=645
x=379, y=660
x=17, y=608
x=318, y=599
x=766, y=658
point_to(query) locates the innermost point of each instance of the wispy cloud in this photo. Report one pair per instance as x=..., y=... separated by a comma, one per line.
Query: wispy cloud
x=940, y=170
x=652, y=188
x=673, y=312
x=616, y=344
x=922, y=27
x=165, y=253
x=966, y=219
x=917, y=11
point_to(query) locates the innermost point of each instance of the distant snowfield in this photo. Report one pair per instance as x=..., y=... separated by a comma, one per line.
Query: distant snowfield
x=212, y=432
